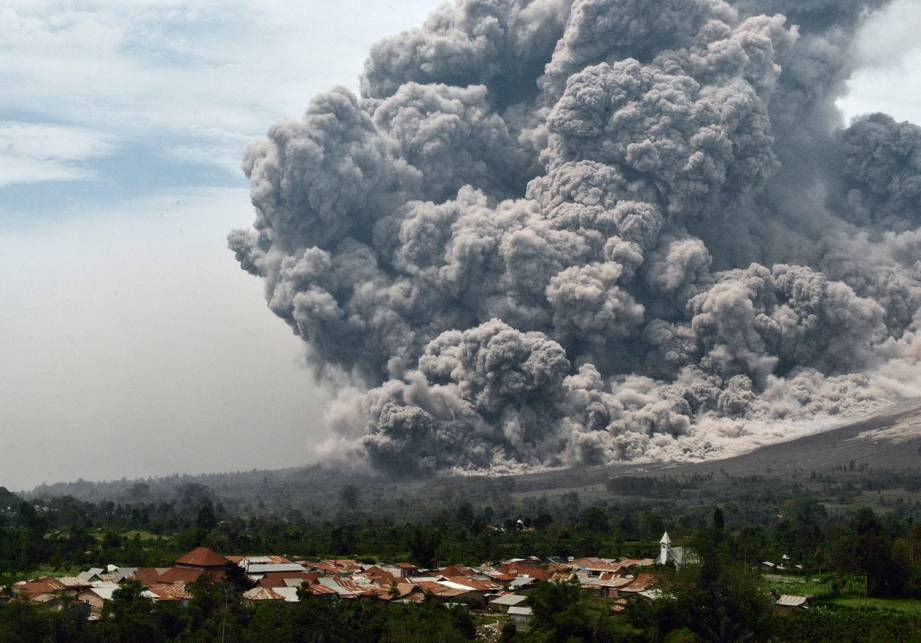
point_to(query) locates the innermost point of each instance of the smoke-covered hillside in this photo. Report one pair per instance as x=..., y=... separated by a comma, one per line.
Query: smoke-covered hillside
x=840, y=464
x=556, y=232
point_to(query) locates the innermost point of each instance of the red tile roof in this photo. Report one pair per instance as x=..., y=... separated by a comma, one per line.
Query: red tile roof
x=202, y=557
x=180, y=574
x=147, y=575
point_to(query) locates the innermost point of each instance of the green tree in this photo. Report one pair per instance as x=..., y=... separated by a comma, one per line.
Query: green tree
x=561, y=614
x=128, y=616
x=423, y=546
x=206, y=520
x=872, y=553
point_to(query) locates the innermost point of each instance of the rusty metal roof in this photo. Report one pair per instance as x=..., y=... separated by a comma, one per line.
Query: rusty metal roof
x=641, y=583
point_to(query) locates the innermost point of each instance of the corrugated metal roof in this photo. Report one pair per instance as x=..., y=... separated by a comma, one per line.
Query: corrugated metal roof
x=437, y=589
x=452, y=585
x=791, y=600
x=262, y=594
x=89, y=574
x=521, y=581
x=171, y=591
x=479, y=584
x=318, y=589
x=641, y=583
x=610, y=581
x=289, y=594
x=269, y=568
x=509, y=599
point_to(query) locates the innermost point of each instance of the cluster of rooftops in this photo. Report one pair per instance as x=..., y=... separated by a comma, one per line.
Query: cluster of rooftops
x=501, y=586
x=498, y=587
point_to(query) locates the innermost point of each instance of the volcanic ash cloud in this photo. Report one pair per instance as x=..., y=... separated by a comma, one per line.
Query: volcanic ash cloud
x=552, y=232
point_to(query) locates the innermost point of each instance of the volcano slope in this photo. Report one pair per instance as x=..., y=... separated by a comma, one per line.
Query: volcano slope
x=877, y=456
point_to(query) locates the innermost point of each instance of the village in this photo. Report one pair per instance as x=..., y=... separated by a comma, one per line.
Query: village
x=491, y=589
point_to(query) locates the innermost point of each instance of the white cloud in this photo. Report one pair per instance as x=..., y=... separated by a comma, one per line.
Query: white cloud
x=207, y=72
x=38, y=152
x=889, y=78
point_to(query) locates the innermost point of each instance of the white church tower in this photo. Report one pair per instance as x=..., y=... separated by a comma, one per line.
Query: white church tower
x=665, y=547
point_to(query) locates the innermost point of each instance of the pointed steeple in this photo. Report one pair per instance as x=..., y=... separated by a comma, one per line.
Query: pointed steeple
x=665, y=539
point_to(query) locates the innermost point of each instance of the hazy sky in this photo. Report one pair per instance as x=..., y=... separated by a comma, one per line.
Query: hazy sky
x=131, y=344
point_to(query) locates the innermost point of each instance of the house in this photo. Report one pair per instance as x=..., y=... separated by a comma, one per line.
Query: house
x=638, y=562
x=346, y=587
x=596, y=566
x=149, y=575
x=316, y=590
x=94, y=601
x=515, y=569
x=246, y=561
x=257, y=594
x=605, y=585
x=91, y=575
x=258, y=569
x=333, y=567
x=193, y=565
x=408, y=593
x=521, y=582
x=102, y=592
x=447, y=592
x=171, y=592
x=641, y=583
x=47, y=591
x=505, y=601
x=408, y=569
x=789, y=603
x=479, y=584
x=458, y=570
x=203, y=559
x=521, y=615
x=284, y=579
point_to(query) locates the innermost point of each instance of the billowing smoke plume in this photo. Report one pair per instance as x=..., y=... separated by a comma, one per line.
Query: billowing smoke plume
x=582, y=231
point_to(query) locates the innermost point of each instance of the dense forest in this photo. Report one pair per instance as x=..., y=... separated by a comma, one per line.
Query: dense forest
x=855, y=531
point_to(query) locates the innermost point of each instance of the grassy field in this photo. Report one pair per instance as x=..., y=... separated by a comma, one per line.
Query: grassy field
x=898, y=604
x=100, y=533
x=814, y=586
